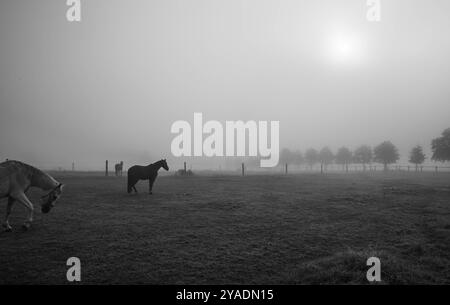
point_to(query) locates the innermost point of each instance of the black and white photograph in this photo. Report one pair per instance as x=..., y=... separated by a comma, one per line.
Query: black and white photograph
x=251, y=144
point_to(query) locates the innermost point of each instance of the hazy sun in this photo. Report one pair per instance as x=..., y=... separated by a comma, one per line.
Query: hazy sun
x=345, y=48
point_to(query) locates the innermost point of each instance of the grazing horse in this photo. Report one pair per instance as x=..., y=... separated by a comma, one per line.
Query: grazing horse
x=119, y=168
x=15, y=180
x=149, y=172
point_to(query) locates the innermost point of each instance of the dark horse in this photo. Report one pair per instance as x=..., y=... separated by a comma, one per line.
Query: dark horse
x=149, y=172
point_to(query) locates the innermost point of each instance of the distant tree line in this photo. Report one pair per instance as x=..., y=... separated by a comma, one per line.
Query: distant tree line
x=385, y=153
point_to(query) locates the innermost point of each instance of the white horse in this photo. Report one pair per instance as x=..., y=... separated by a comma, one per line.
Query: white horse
x=15, y=180
x=119, y=168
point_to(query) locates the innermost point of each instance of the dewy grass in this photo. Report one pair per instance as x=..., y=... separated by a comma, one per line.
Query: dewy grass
x=260, y=229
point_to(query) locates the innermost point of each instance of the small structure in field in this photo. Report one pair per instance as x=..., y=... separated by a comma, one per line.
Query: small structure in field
x=183, y=172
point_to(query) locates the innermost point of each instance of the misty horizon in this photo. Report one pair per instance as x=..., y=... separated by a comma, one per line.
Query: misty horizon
x=110, y=86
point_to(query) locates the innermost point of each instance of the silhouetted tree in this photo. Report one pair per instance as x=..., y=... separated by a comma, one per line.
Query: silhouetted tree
x=325, y=157
x=344, y=157
x=311, y=157
x=441, y=147
x=416, y=156
x=298, y=157
x=386, y=153
x=286, y=156
x=363, y=155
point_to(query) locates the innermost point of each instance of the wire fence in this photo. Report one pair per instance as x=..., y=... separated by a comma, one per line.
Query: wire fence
x=363, y=168
x=287, y=168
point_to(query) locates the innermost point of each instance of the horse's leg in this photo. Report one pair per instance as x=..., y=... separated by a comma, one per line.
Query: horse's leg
x=22, y=198
x=131, y=185
x=150, y=185
x=6, y=225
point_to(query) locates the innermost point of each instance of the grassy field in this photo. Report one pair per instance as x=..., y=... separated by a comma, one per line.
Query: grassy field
x=260, y=229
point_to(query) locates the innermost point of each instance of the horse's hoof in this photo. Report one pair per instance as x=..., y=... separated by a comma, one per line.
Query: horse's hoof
x=25, y=227
x=7, y=229
x=150, y=193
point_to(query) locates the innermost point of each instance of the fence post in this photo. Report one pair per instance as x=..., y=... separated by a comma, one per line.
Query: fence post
x=243, y=169
x=421, y=169
x=106, y=168
x=286, y=169
x=73, y=166
x=436, y=169
x=184, y=167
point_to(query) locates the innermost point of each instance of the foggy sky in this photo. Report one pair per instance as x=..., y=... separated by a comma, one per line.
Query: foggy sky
x=110, y=86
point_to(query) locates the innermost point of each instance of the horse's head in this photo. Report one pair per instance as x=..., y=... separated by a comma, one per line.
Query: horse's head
x=164, y=164
x=48, y=201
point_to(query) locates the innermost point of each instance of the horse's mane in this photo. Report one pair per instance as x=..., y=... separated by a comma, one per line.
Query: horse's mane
x=157, y=162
